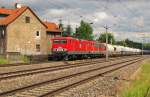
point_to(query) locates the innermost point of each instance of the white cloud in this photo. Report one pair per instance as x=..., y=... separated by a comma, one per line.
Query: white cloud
x=95, y=20
x=101, y=15
x=140, y=21
x=56, y=12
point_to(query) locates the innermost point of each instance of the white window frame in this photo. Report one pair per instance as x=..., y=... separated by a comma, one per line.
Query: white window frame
x=37, y=37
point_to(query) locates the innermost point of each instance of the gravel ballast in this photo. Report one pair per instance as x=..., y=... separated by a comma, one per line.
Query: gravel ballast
x=18, y=82
x=106, y=86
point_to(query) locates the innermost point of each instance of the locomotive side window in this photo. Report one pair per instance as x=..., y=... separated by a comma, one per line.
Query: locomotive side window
x=63, y=41
x=60, y=41
x=56, y=41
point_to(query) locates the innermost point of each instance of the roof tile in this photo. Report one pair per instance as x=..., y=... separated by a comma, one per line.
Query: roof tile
x=13, y=15
x=6, y=11
x=52, y=27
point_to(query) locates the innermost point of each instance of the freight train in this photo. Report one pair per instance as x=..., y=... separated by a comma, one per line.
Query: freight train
x=72, y=48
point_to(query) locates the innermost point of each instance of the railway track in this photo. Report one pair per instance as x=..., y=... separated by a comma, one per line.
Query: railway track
x=57, y=85
x=33, y=67
x=35, y=63
x=22, y=64
x=15, y=74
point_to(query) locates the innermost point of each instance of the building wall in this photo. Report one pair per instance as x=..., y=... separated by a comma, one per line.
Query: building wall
x=21, y=36
x=2, y=40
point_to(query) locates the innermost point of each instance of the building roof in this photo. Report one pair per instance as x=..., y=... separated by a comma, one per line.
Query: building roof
x=13, y=14
x=52, y=27
x=6, y=11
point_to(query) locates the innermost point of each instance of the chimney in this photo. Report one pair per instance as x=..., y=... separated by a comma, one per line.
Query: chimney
x=17, y=5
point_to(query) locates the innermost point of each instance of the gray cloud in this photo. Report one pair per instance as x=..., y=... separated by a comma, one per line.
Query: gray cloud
x=130, y=16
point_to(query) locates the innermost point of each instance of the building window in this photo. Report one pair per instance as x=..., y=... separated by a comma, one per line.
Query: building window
x=37, y=33
x=37, y=47
x=27, y=19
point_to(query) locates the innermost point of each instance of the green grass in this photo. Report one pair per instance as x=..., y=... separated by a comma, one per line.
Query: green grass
x=25, y=59
x=138, y=87
x=3, y=61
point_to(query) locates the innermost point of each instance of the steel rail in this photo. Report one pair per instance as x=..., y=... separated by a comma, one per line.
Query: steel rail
x=62, y=78
x=4, y=76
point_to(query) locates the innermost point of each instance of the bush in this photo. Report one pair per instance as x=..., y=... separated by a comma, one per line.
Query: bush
x=25, y=59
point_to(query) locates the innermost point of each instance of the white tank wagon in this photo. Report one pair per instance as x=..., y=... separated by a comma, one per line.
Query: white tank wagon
x=145, y=51
x=115, y=50
x=110, y=49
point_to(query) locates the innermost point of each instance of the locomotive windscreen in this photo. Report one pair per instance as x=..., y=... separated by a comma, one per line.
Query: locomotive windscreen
x=60, y=41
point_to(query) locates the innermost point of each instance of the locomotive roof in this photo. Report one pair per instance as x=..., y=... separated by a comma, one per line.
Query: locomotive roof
x=75, y=39
x=72, y=38
x=63, y=38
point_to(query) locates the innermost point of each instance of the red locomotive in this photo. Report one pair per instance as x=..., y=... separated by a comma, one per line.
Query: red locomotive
x=72, y=48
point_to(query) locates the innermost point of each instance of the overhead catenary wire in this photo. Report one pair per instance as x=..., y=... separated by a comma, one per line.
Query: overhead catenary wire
x=103, y=5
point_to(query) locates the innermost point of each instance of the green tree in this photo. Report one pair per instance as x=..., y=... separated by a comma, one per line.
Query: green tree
x=146, y=46
x=130, y=43
x=76, y=33
x=111, y=39
x=85, y=31
x=122, y=43
x=68, y=31
x=133, y=44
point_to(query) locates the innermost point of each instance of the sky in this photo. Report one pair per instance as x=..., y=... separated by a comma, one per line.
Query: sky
x=125, y=18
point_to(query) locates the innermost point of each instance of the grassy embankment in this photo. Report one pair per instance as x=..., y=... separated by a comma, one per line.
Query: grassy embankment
x=23, y=59
x=139, y=87
x=3, y=61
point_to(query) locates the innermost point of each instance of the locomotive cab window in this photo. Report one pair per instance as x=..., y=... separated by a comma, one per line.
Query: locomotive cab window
x=60, y=41
x=56, y=41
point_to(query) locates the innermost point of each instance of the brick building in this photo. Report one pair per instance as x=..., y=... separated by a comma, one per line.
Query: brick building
x=22, y=32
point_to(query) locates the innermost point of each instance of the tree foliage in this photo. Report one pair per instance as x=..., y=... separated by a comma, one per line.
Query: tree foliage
x=102, y=38
x=122, y=43
x=84, y=31
x=132, y=44
x=147, y=46
x=68, y=31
